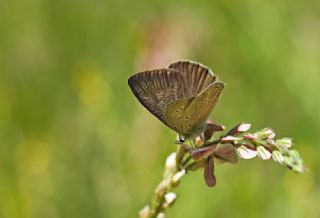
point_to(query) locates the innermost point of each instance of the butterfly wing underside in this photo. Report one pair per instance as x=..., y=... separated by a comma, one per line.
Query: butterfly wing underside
x=196, y=77
x=187, y=115
x=156, y=89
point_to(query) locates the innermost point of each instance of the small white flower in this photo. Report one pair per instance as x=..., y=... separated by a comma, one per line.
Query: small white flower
x=161, y=215
x=170, y=197
x=171, y=162
x=178, y=176
x=229, y=139
x=285, y=142
x=250, y=136
x=271, y=136
x=277, y=156
x=263, y=153
x=246, y=153
x=265, y=133
x=145, y=212
x=244, y=127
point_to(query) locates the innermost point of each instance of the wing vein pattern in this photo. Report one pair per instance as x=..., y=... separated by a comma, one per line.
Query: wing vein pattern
x=182, y=96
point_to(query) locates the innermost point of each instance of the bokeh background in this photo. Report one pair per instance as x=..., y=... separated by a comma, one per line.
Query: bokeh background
x=74, y=142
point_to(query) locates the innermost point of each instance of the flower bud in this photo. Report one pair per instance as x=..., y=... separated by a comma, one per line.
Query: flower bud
x=249, y=136
x=271, y=136
x=263, y=153
x=170, y=197
x=171, y=162
x=240, y=128
x=161, y=215
x=277, y=156
x=176, y=178
x=163, y=187
x=229, y=139
x=294, y=154
x=243, y=127
x=284, y=143
x=270, y=143
x=246, y=153
x=295, y=162
x=265, y=133
x=145, y=212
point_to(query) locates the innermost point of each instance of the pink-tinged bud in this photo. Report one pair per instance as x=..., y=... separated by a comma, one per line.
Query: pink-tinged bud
x=265, y=133
x=228, y=139
x=270, y=142
x=271, y=136
x=246, y=153
x=243, y=127
x=208, y=173
x=240, y=128
x=249, y=136
x=200, y=153
x=211, y=128
x=269, y=131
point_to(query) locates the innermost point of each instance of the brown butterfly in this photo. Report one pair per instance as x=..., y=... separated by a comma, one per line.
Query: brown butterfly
x=182, y=96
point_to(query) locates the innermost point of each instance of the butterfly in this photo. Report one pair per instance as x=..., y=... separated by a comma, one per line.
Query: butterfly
x=181, y=96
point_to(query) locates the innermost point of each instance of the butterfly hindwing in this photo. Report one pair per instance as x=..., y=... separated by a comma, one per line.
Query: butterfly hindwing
x=175, y=114
x=196, y=77
x=205, y=102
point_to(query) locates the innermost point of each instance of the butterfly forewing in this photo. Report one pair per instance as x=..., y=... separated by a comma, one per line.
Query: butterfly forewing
x=187, y=115
x=196, y=77
x=156, y=89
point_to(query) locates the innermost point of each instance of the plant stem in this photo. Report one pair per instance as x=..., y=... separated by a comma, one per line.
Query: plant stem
x=227, y=149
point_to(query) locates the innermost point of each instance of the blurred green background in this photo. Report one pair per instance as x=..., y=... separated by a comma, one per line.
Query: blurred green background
x=74, y=142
